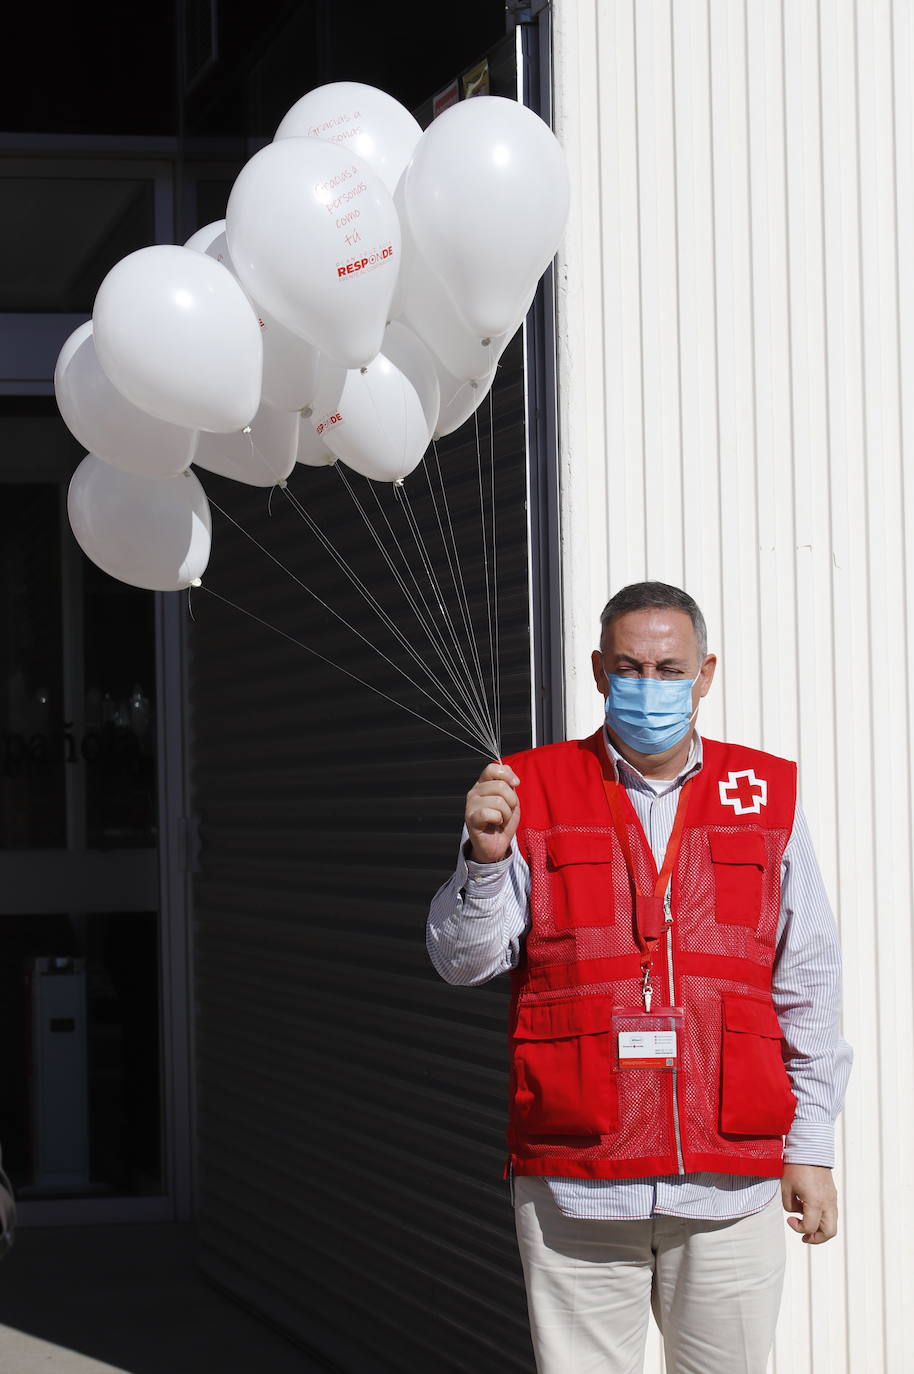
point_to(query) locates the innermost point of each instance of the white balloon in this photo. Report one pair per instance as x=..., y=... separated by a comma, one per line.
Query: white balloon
x=459, y=399
x=315, y=238
x=107, y=423
x=430, y=312
x=487, y=196
x=422, y=302
x=289, y=363
x=360, y=119
x=177, y=336
x=409, y=354
x=210, y=239
x=148, y=532
x=373, y=417
x=263, y=457
x=312, y=451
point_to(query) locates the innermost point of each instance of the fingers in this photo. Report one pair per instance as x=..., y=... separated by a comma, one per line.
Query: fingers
x=492, y=812
x=789, y=1197
x=826, y=1224
x=811, y=1218
x=488, y=810
x=498, y=771
x=492, y=801
x=819, y=1217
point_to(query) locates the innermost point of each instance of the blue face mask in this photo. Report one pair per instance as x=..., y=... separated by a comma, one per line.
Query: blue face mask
x=649, y=714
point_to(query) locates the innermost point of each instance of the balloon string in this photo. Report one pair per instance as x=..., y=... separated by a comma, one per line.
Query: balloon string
x=402, y=498
x=435, y=701
x=369, y=686
x=357, y=582
x=494, y=562
x=455, y=565
x=473, y=707
x=353, y=577
x=485, y=549
x=256, y=453
x=437, y=592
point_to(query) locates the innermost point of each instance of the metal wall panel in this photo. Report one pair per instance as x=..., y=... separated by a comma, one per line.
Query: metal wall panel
x=350, y=1104
x=736, y=372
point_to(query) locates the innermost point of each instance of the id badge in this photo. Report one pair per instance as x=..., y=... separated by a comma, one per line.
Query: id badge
x=646, y=1039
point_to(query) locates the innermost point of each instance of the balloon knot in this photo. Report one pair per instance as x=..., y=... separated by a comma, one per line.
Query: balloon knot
x=399, y=482
x=307, y=412
x=363, y=370
x=197, y=582
x=283, y=484
x=246, y=430
x=486, y=342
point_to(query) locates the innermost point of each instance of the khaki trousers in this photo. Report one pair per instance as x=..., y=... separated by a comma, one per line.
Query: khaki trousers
x=714, y=1287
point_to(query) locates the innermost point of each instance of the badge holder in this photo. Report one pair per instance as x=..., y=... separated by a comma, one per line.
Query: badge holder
x=647, y=1039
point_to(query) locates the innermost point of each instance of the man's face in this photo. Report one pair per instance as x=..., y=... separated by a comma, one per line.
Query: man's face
x=653, y=643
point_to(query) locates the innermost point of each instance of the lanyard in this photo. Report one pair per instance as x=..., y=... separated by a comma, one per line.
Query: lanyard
x=650, y=921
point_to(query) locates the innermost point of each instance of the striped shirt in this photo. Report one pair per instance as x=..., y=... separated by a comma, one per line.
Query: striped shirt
x=476, y=928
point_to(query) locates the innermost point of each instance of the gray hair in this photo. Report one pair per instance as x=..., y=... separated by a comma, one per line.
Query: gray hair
x=646, y=596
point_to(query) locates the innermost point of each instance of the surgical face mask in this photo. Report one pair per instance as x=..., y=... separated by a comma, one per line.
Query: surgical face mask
x=649, y=714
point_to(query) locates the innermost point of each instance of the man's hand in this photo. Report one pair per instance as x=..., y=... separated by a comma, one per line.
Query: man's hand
x=810, y=1190
x=492, y=813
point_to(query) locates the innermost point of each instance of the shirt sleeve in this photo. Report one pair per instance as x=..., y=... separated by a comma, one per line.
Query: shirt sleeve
x=806, y=989
x=478, y=919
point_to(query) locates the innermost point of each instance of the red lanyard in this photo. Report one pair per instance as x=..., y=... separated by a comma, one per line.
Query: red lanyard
x=650, y=922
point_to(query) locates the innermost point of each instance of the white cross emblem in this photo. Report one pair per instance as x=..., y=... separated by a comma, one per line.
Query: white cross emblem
x=749, y=793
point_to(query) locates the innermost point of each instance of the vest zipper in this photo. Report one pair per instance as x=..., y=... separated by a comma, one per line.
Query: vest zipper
x=668, y=911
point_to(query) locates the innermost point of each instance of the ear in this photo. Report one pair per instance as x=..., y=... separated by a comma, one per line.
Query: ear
x=706, y=675
x=599, y=673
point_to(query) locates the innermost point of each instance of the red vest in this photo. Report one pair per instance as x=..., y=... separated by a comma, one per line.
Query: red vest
x=729, y=1104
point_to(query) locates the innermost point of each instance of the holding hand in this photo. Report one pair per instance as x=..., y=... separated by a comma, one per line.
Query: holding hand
x=492, y=813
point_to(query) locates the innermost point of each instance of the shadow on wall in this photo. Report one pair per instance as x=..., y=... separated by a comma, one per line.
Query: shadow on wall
x=95, y=1300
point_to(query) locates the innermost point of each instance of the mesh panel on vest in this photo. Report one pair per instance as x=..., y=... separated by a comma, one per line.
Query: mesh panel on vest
x=608, y=991
x=695, y=913
x=583, y=910
x=645, y=1125
x=699, y=1081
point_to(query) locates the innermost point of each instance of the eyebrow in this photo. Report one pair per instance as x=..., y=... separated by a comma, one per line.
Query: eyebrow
x=661, y=663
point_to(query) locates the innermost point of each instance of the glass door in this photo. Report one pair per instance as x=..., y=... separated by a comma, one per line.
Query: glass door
x=85, y=962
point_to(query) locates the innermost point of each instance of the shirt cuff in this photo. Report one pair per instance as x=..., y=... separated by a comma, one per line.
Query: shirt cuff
x=482, y=880
x=810, y=1142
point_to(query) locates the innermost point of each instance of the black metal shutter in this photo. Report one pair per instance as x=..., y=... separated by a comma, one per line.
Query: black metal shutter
x=350, y=1105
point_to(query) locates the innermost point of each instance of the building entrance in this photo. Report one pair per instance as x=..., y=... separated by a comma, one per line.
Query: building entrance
x=83, y=1106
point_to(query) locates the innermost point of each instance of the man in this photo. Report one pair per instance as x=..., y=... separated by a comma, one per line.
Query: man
x=674, y=1014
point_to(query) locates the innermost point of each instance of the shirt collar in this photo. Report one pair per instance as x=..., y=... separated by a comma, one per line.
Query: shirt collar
x=621, y=765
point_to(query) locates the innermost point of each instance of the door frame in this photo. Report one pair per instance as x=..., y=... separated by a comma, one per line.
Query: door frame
x=163, y=876
x=28, y=348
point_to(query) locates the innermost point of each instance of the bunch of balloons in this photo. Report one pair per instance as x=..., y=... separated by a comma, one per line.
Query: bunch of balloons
x=352, y=305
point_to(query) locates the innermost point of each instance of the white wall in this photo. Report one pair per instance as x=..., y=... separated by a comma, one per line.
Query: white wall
x=736, y=395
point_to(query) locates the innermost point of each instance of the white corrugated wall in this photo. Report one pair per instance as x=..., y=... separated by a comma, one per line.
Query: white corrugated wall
x=736, y=373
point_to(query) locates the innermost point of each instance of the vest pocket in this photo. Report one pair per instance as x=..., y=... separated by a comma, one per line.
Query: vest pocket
x=755, y=1095
x=738, y=858
x=564, y=1082
x=579, y=875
